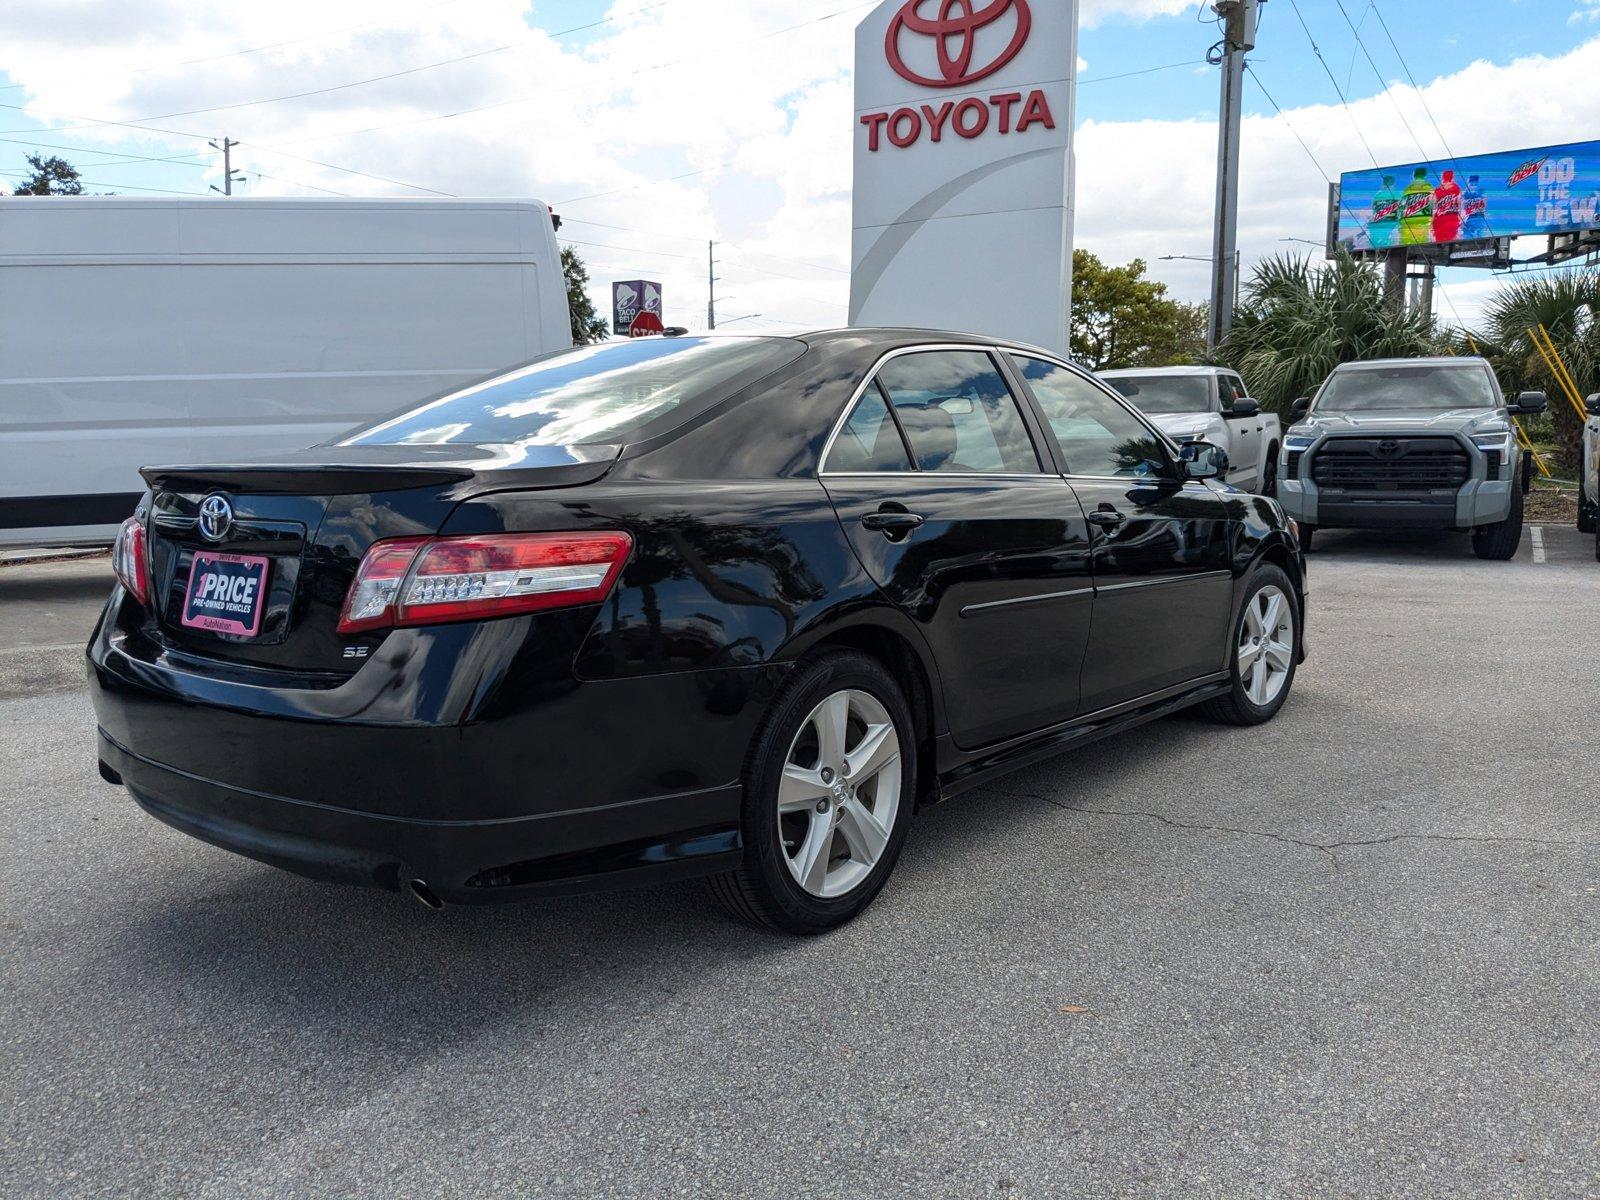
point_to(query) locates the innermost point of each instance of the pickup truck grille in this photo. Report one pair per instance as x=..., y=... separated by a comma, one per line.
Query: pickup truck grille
x=1391, y=464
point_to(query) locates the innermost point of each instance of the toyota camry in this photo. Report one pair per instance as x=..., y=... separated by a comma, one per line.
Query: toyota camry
x=733, y=607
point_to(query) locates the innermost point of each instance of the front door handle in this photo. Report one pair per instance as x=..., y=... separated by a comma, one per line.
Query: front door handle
x=893, y=525
x=1106, y=518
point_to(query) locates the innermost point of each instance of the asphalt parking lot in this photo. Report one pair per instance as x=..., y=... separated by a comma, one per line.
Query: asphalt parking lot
x=1354, y=952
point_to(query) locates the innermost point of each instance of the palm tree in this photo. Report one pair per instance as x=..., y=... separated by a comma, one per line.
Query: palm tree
x=1567, y=304
x=1297, y=321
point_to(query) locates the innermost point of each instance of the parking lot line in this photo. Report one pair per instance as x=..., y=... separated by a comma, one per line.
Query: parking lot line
x=1537, y=534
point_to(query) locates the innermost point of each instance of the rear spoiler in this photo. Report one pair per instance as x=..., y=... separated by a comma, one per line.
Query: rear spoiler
x=302, y=479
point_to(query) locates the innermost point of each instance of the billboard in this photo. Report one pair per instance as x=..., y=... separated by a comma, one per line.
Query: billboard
x=631, y=297
x=1552, y=189
x=962, y=206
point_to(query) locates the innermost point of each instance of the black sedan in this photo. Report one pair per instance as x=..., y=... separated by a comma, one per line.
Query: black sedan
x=721, y=606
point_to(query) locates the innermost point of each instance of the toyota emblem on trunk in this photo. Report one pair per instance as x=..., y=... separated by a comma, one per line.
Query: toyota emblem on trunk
x=216, y=518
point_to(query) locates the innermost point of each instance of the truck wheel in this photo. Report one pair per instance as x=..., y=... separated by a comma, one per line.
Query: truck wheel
x=1588, y=506
x=1499, y=542
x=1263, y=649
x=1308, y=534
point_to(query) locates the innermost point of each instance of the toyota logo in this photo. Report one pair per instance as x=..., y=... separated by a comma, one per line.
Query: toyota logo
x=1388, y=448
x=216, y=518
x=954, y=32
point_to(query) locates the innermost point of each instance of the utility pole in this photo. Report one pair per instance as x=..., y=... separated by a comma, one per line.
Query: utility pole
x=1239, y=19
x=228, y=173
x=711, y=286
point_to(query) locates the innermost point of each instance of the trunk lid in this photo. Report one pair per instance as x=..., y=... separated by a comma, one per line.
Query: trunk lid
x=310, y=516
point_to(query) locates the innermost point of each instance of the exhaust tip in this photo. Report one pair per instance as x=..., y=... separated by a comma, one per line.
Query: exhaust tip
x=424, y=895
x=109, y=774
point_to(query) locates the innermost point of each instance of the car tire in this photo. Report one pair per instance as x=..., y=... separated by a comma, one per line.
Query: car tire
x=1588, y=506
x=1264, y=649
x=801, y=807
x=1308, y=534
x=1269, y=474
x=1499, y=542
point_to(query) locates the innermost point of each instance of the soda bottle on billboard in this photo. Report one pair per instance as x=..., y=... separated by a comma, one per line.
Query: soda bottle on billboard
x=1447, y=209
x=1416, y=210
x=1384, y=228
x=1474, y=211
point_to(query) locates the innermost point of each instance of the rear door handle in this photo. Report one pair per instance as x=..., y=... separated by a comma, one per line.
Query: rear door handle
x=891, y=524
x=1106, y=518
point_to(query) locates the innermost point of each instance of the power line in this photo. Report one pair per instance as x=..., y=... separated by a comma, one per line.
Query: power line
x=1338, y=91
x=354, y=83
x=190, y=62
x=1404, y=66
x=1188, y=62
x=126, y=187
x=1361, y=45
x=467, y=112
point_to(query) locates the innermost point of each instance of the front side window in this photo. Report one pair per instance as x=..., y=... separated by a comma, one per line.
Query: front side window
x=957, y=413
x=1097, y=435
x=1376, y=389
x=589, y=395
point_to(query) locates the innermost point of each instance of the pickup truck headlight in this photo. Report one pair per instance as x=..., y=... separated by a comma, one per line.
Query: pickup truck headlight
x=1298, y=441
x=1497, y=445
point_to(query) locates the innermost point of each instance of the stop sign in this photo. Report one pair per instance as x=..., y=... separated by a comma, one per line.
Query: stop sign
x=644, y=325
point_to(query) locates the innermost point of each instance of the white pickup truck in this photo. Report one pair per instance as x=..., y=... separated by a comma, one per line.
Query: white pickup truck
x=1208, y=404
x=1589, y=474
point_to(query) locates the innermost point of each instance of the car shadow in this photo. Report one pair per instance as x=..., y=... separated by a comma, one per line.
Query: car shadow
x=350, y=969
x=1390, y=545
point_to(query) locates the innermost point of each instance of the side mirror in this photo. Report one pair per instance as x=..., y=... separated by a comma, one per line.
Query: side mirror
x=1244, y=407
x=1300, y=408
x=1529, y=404
x=1202, y=460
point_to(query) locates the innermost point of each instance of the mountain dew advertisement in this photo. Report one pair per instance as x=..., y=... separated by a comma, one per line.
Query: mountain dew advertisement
x=1554, y=189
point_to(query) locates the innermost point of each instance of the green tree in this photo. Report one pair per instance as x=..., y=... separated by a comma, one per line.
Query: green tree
x=1121, y=319
x=51, y=177
x=1567, y=304
x=587, y=325
x=1297, y=321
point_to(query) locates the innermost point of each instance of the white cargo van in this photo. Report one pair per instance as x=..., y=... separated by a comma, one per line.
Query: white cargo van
x=138, y=331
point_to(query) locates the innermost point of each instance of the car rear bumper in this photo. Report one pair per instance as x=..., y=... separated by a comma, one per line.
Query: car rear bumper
x=460, y=862
x=529, y=788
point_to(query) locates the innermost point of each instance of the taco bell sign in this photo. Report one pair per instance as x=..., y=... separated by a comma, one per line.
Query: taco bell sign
x=963, y=167
x=631, y=297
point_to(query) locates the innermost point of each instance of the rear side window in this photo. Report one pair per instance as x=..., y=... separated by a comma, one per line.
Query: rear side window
x=958, y=414
x=869, y=440
x=589, y=395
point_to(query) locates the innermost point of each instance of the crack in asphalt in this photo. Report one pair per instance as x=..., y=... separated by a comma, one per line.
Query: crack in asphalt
x=1327, y=848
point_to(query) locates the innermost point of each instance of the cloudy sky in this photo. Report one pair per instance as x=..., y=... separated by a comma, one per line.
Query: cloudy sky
x=654, y=126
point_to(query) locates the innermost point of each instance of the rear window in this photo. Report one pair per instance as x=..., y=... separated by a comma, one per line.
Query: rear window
x=1165, y=393
x=589, y=395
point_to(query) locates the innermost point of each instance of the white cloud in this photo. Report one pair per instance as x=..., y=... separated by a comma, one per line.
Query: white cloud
x=681, y=87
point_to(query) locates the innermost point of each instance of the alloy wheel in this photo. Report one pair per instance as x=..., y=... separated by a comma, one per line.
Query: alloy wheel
x=840, y=793
x=1266, y=645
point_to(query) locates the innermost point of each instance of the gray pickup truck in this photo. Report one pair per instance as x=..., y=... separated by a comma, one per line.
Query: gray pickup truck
x=1413, y=443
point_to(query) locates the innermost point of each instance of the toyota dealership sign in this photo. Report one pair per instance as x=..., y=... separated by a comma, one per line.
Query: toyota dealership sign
x=963, y=166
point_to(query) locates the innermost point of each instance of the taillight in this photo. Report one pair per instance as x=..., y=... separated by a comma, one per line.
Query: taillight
x=428, y=581
x=130, y=560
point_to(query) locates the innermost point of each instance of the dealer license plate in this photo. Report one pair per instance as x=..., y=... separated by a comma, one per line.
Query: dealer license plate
x=227, y=593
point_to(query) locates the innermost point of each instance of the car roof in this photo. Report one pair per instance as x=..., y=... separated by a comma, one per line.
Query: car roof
x=1142, y=372
x=1438, y=360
